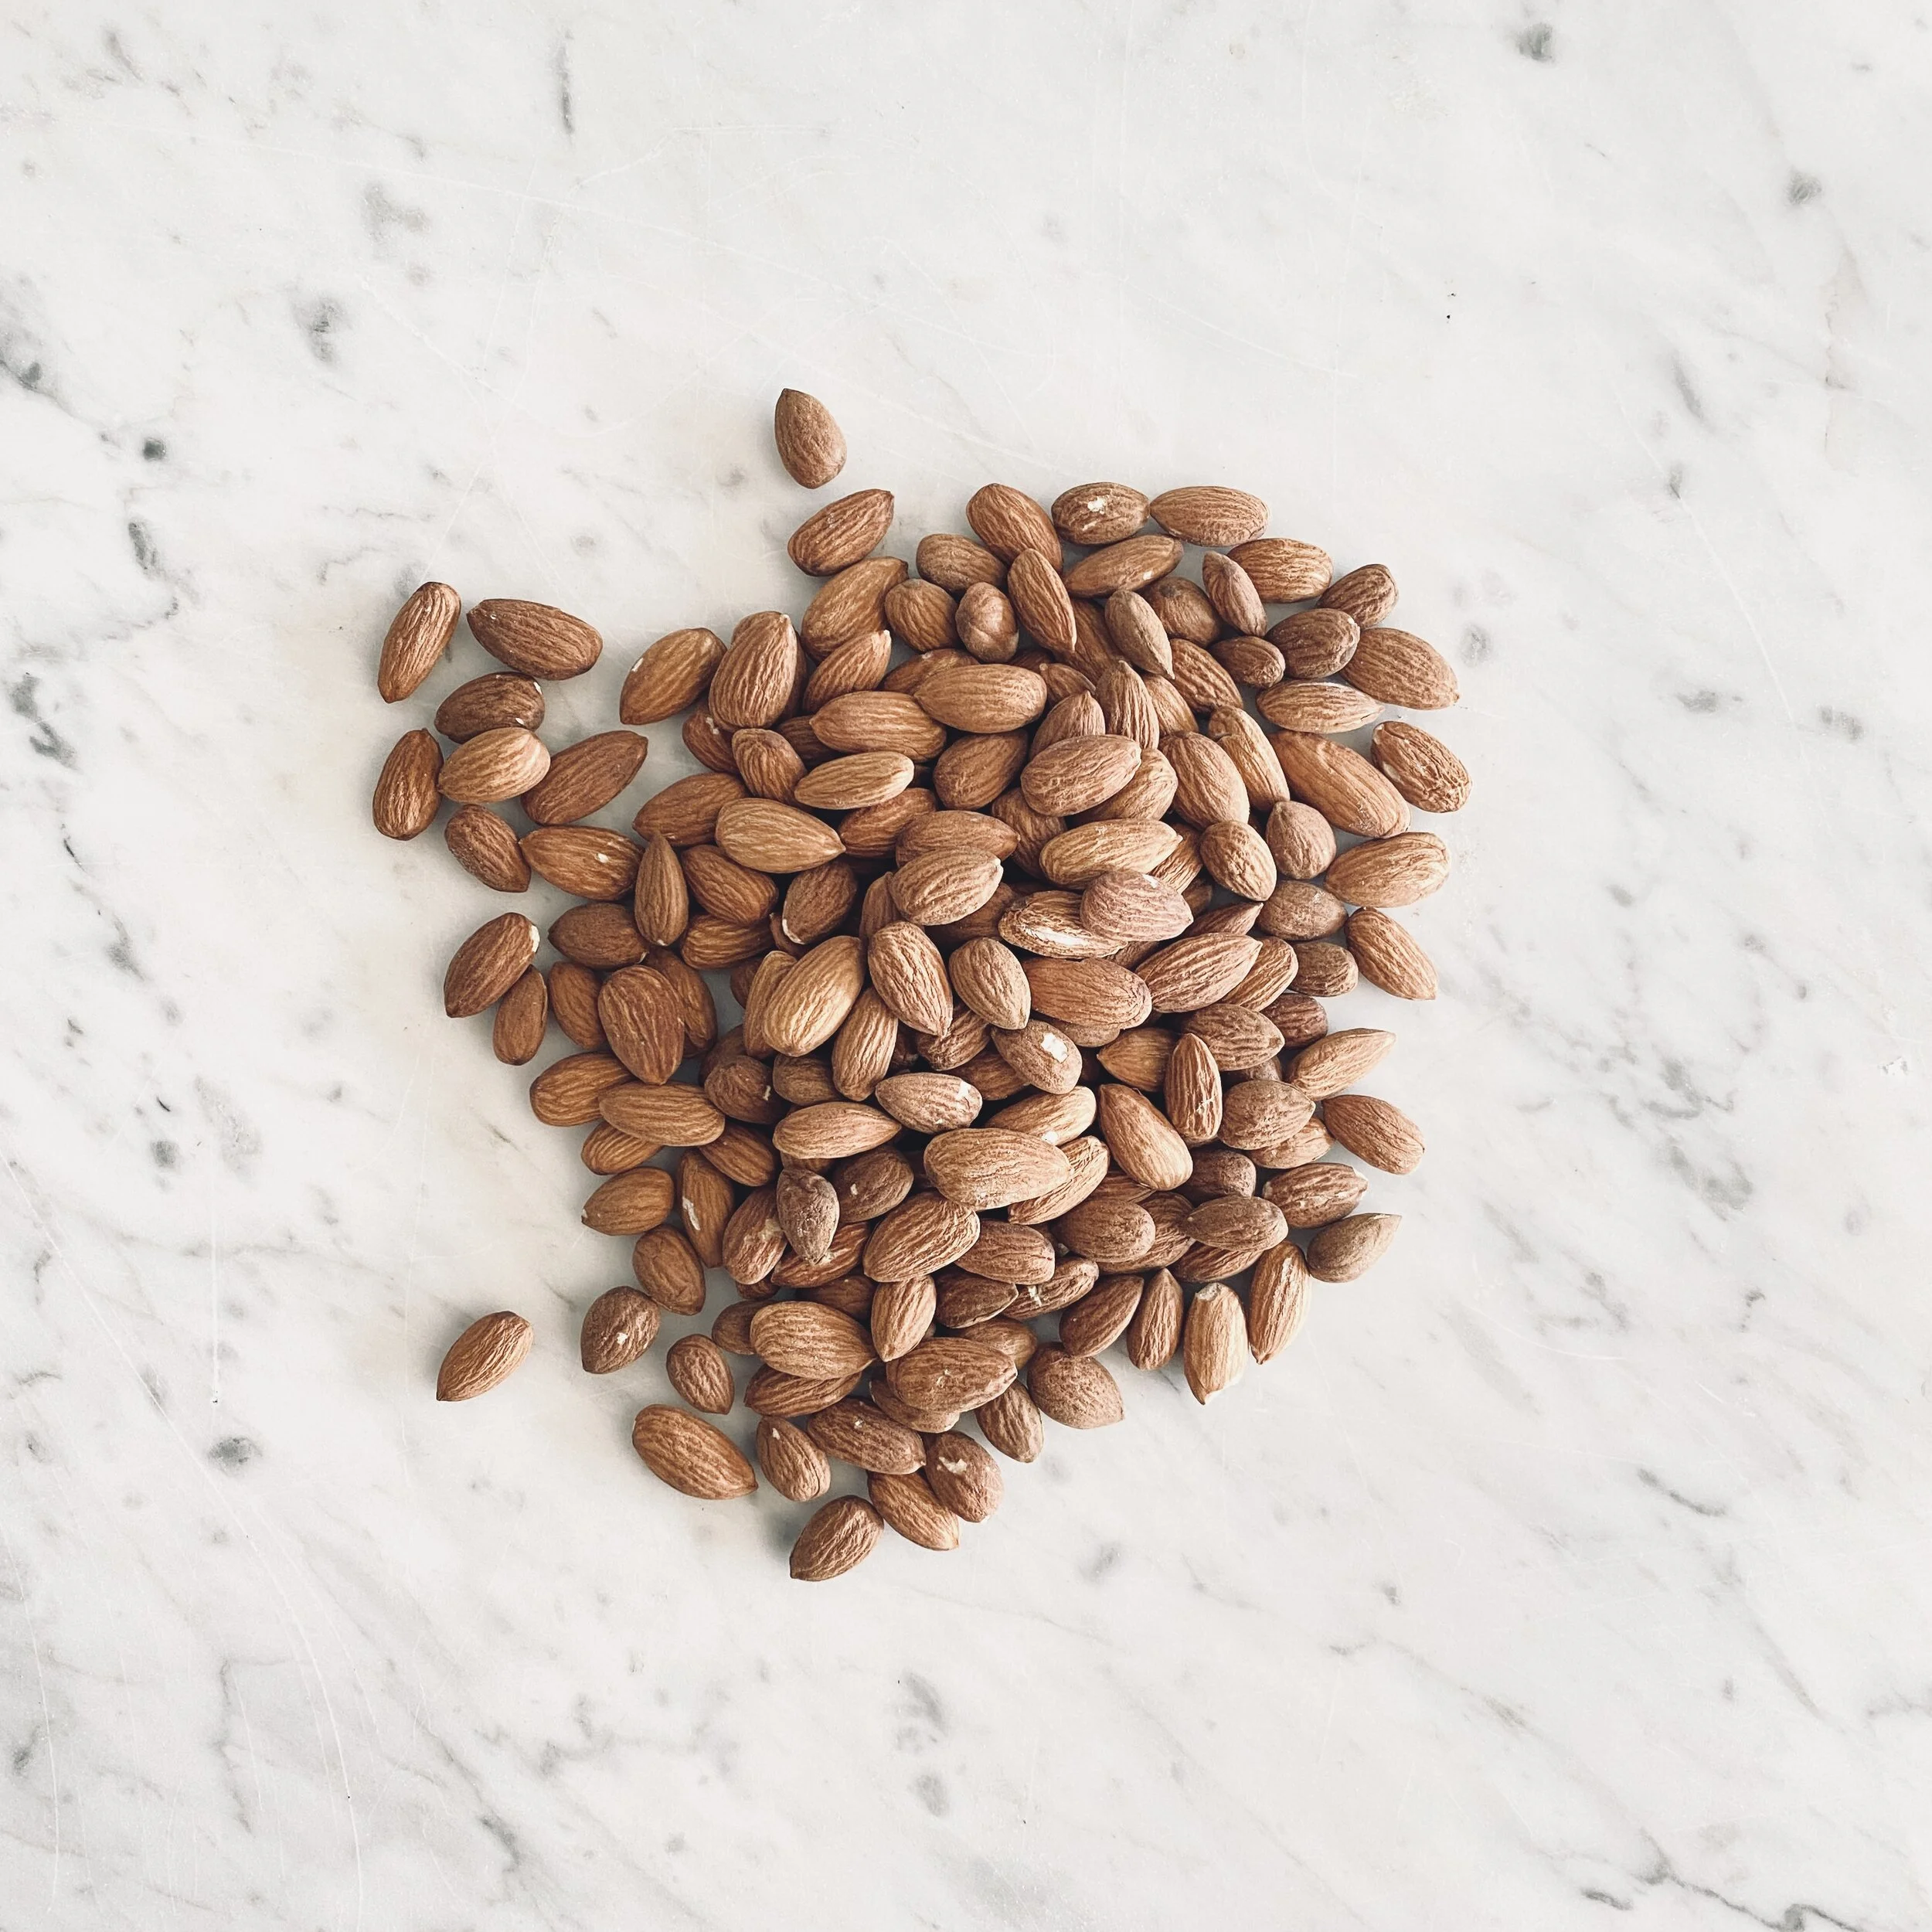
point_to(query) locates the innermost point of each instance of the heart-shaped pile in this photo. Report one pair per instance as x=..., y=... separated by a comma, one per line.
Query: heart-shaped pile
x=1033, y=932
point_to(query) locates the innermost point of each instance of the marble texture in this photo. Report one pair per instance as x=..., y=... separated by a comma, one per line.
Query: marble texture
x=1572, y=1569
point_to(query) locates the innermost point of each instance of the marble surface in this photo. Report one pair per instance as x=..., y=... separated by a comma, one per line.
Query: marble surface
x=1572, y=1569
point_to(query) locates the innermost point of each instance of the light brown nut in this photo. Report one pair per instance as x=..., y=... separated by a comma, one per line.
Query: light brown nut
x=1395, y=668
x=486, y=1353
x=1214, y=1349
x=489, y=703
x=842, y=532
x=1208, y=513
x=690, y=1454
x=811, y=447
x=418, y=633
x=535, y=639
x=1390, y=956
x=696, y=1368
x=1099, y=513
x=407, y=798
x=838, y=1538
x=618, y=1327
x=492, y=766
x=1075, y=1391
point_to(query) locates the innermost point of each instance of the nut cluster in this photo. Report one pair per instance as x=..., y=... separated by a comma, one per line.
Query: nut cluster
x=1033, y=933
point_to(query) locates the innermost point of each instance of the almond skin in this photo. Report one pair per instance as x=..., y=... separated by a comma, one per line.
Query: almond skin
x=585, y=776
x=1099, y=513
x=486, y=1353
x=488, y=703
x=810, y=443
x=407, y=798
x=1214, y=1348
x=618, y=1327
x=1394, y=667
x=1367, y=593
x=488, y=964
x=1283, y=570
x=535, y=639
x=494, y=765
x=911, y=1510
x=1079, y=772
x=418, y=633
x=793, y=1464
x=689, y=1454
x=521, y=1015
x=840, y=1537
x=1210, y=514
x=1008, y=521
x=1421, y=767
x=1384, y=873
x=842, y=532
x=752, y=684
x=671, y=676
x=981, y=1169
x=1389, y=957
x=1075, y=1391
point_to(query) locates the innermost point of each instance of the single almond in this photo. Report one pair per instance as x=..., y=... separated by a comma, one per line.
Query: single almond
x=1383, y=873
x=1394, y=667
x=1283, y=570
x=407, y=798
x=1011, y=1423
x=488, y=703
x=1075, y=1391
x=618, y=1327
x=1421, y=767
x=910, y=1509
x=1079, y=772
x=810, y=443
x=963, y=1477
x=862, y=778
x=1317, y=1193
x=418, y=633
x=981, y=1169
x=1096, y=513
x=521, y=1015
x=834, y=1131
x=1341, y=784
x=1260, y=1113
x=691, y=1454
x=1345, y=1250
x=1009, y=523
x=567, y=1092
x=494, y=765
x=1373, y=1130
x=672, y=675
x=982, y=697
x=1231, y=590
x=486, y=1353
x=842, y=532
x=793, y=1464
x=488, y=964
x=602, y=936
x=686, y=811
x=585, y=860
x=585, y=776
x=696, y=1368
x=536, y=639
x=672, y=1116
x=1389, y=957
x=1296, y=705
x=878, y=721
x=1142, y=1139
x=838, y=1538
x=1209, y=513
x=924, y=1233
x=1214, y=1349
x=806, y=1338
x=1315, y=644
x=1131, y=565
x=856, y=1433
x=950, y=1371
x=766, y=836
x=851, y=604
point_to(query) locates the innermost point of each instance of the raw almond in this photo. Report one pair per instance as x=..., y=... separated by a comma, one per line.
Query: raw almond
x=950, y=1371
x=944, y=886
x=1214, y=1349
x=989, y=979
x=1096, y=513
x=807, y=1206
x=1142, y=1139
x=1231, y=590
x=1421, y=767
x=838, y=1538
x=856, y=1433
x=911, y=1510
x=585, y=860
x=493, y=766
x=1011, y=1423
x=1367, y=593
x=1098, y=1320
x=810, y=445
x=697, y=1370
x=832, y=1131
x=982, y=697
x=1209, y=513
x=1345, y=1250
x=1380, y=1133
x=671, y=676
x=1197, y=972
x=878, y=721
x=1391, y=871
x=521, y=1015
x=1259, y=1113
x=1297, y=706
x=535, y=638
x=1317, y=1193
x=585, y=776
x=863, y=778
x=602, y=936
x=639, y=1014
x=685, y=812
x=964, y=1478
x=618, y=1327
x=1277, y=1300
x=1154, y=1332
x=1128, y=566
x=981, y=1169
x=488, y=703
x=1079, y=772
x=806, y=1338
x=1340, y=1060
x=1390, y=956
x=418, y=633
x=1237, y=856
x=901, y=1315
x=1326, y=970
x=488, y=1351
x=661, y=900
x=1191, y=1089
x=1283, y=570
x=793, y=1464
x=1341, y=784
x=1075, y=1391
x=567, y=1092
x=930, y=1103
x=1008, y=521
x=488, y=964
x=691, y=1454
x=1079, y=855
x=923, y=1234
x=842, y=532
x=766, y=836
x=407, y=798
x=1040, y=599
x=1395, y=668
x=672, y=1116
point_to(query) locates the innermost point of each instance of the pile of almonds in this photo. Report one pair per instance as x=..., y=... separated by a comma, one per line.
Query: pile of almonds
x=1033, y=931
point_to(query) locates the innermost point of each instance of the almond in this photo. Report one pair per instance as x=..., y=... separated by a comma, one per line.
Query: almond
x=1390, y=956
x=1095, y=992
x=488, y=1351
x=602, y=936
x=1315, y=644
x=811, y=447
x=1008, y=522
x=1297, y=706
x=1209, y=513
x=1079, y=772
x=584, y=860
x=856, y=1433
x=731, y=891
x=1124, y=907
x=1345, y=1250
x=857, y=664
x=981, y=1169
x=950, y=1371
x=1260, y=1114
x=911, y=1510
x=1239, y=1037
x=1237, y=1221
x=686, y=811
x=806, y=1339
x=983, y=698
x=862, y=1054
x=811, y=1002
x=1011, y=1423
x=418, y=633
x=878, y=721
x=1231, y=590
x=618, y=1327
x=1340, y=1060
x=585, y=776
x=567, y=1092
x=1391, y=871
x=988, y=978
x=1325, y=969
x=832, y=1131
x=1249, y=751
x=755, y=679
x=697, y=1370
x=691, y=1454
x=955, y=563
x=671, y=676
x=1192, y=973
x=639, y=1014
x=1138, y=634
x=1342, y=785
x=1251, y=660
x=1075, y=1391
x=1191, y=1089
x=1142, y=1139
x=672, y=1116
x=1277, y=1300
x=407, y=798
x=842, y=532
x=534, y=638
x=1078, y=856
x=923, y=1234
x=1214, y=1349
x=488, y=964
x=1283, y=570
x=1395, y=668
x=1154, y=1332
x=1098, y=1320
x=807, y=1206
x=1421, y=767
x=493, y=766
x=1209, y=785
x=793, y=1464
x=1314, y=1194
x=1296, y=910
x=632, y=1202
x=661, y=901
x=944, y=886
x=930, y=1103
x=840, y=1537
x=521, y=1015
x=901, y=1315
x=488, y=703
x=1380, y=1133
x=1127, y=566
x=1040, y=599
x=766, y=836
x=1097, y=513
x=921, y=615
x=769, y=1392
x=963, y=1477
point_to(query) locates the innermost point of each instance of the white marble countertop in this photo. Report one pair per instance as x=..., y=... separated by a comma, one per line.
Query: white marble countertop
x=1569, y=1571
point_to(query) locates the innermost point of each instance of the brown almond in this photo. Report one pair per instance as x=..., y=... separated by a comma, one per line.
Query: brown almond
x=950, y=1371
x=1389, y=957
x=1075, y=1391
x=1198, y=972
x=753, y=683
x=1317, y=1193
x=1283, y=570
x=1315, y=644
x=793, y=1464
x=1421, y=767
x=605, y=1150
x=1214, y=1349
x=1296, y=705
x=1395, y=668
x=963, y=1477
x=838, y=1538
x=956, y=562
x=1324, y=969
x=982, y=697
x=1192, y=1090
x=536, y=639
x=1374, y=1131
x=672, y=1116
x=856, y=1433
x=489, y=703
x=924, y=1233
x=1040, y=599
x=842, y=532
x=691, y=1454
x=1277, y=1300
x=521, y=1015
x=808, y=1339
x=1099, y=1319
x=672, y=675
x=832, y=1131
x=767, y=836
x=697, y=1370
x=1231, y=590
x=1079, y=855
x=567, y=1092
x=1209, y=513
x=1154, y=1332
x=1142, y=1139
x=810, y=1002
x=1137, y=633
x=1260, y=1113
x=1011, y=1422
x=492, y=766
x=930, y=1103
x=618, y=1327
x=1384, y=873
x=639, y=1014
x=981, y=1169
x=602, y=936
x=1009, y=523
x=810, y=445
x=1367, y=593
x=488, y=1351
x=488, y=964
x=585, y=776
x=1079, y=772
x=989, y=979
x=911, y=1510
x=1239, y=1037
x=901, y=1315
x=945, y=886
x=661, y=899
x=1345, y=1250
x=1096, y=513
x=418, y=633
x=1341, y=784
x=686, y=810
x=878, y=721
x=1131, y=565
x=1340, y=1060
x=407, y=798
x=584, y=860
